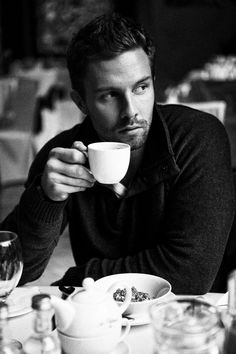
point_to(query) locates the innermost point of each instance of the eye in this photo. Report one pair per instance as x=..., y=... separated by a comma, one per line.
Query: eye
x=109, y=95
x=140, y=89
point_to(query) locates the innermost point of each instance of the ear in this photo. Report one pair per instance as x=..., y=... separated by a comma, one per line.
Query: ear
x=80, y=103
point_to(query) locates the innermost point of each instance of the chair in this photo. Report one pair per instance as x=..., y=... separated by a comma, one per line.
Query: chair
x=16, y=156
x=7, y=86
x=22, y=104
x=216, y=108
x=16, y=147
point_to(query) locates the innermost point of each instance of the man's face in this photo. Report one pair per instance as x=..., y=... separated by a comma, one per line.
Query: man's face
x=119, y=97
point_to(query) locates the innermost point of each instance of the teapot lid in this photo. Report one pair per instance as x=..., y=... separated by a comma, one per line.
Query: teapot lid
x=89, y=293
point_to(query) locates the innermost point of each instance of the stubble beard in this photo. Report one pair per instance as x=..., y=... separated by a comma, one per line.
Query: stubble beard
x=137, y=141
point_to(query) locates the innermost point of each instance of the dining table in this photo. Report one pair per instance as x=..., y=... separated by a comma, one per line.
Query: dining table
x=140, y=339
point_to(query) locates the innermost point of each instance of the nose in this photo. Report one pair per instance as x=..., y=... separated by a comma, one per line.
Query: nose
x=129, y=109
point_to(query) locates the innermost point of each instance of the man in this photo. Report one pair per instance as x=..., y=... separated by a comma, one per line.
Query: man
x=170, y=215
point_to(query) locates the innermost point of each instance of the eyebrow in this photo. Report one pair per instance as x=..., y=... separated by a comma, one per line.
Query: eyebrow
x=112, y=88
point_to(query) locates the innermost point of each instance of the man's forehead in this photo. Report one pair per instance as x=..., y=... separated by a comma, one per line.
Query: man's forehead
x=128, y=66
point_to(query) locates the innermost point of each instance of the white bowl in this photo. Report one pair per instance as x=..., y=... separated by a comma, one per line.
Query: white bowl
x=157, y=288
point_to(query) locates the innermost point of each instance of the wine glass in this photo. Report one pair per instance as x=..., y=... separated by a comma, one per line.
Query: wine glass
x=11, y=264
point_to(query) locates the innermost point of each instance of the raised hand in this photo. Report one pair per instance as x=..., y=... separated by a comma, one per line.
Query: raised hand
x=65, y=172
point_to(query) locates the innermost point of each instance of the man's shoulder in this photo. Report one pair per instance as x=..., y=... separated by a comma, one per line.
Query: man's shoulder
x=193, y=130
x=181, y=119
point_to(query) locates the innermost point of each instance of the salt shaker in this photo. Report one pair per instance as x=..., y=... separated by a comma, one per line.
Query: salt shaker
x=42, y=340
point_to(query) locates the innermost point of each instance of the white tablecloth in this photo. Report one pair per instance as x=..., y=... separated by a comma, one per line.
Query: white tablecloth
x=139, y=340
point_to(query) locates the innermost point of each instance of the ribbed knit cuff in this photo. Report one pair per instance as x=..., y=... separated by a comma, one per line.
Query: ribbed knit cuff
x=73, y=277
x=34, y=202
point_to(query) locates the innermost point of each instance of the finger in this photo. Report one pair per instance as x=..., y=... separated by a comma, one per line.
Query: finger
x=70, y=182
x=79, y=145
x=61, y=192
x=60, y=189
x=69, y=170
x=71, y=156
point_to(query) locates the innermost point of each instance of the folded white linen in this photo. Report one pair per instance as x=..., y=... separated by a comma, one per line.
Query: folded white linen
x=223, y=300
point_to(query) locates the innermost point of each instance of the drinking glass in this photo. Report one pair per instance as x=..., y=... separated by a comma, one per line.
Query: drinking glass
x=187, y=326
x=11, y=264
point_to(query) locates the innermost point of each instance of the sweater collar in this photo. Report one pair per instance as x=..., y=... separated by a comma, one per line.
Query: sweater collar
x=159, y=163
x=158, y=147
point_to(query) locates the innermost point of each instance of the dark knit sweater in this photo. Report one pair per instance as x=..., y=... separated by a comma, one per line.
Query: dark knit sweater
x=173, y=222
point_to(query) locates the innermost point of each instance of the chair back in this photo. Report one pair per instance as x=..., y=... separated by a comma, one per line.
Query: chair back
x=7, y=86
x=16, y=146
x=22, y=104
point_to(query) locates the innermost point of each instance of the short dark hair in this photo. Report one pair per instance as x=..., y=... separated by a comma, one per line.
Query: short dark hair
x=103, y=38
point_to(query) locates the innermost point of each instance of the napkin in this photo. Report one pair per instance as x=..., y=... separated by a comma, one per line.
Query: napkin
x=223, y=301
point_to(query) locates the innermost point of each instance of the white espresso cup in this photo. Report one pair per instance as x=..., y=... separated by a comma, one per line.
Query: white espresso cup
x=109, y=161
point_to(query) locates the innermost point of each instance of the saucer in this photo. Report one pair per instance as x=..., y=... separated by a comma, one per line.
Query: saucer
x=122, y=348
x=19, y=301
x=139, y=319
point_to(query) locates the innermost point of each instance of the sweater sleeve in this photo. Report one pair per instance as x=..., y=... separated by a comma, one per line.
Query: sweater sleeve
x=37, y=221
x=198, y=216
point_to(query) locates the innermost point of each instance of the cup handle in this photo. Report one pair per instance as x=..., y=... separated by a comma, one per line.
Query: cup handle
x=125, y=332
x=128, y=296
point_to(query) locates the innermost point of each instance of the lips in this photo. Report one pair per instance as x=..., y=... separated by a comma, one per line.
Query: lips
x=130, y=128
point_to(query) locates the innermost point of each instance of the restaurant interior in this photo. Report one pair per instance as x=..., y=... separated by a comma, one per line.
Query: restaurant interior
x=195, y=66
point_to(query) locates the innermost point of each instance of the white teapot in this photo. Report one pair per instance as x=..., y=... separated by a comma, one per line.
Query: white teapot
x=89, y=312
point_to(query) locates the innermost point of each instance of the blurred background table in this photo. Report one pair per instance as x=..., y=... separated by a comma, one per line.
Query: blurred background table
x=34, y=107
x=211, y=88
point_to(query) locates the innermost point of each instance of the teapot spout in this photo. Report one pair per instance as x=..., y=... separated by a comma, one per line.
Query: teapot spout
x=64, y=313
